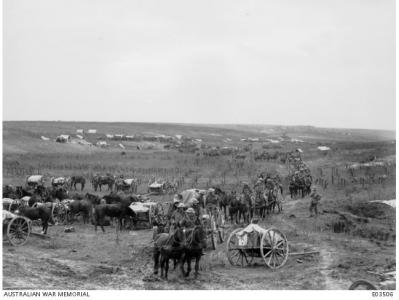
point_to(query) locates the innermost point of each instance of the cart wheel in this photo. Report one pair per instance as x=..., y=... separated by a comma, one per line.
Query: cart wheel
x=362, y=285
x=235, y=254
x=59, y=214
x=18, y=231
x=274, y=248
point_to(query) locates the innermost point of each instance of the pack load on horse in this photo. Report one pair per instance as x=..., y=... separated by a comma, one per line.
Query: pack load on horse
x=58, y=182
x=35, y=180
x=128, y=185
x=244, y=244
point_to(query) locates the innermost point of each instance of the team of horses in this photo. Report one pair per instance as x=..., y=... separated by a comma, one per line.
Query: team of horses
x=245, y=206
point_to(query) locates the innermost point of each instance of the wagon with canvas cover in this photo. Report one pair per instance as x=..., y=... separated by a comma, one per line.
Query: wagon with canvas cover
x=34, y=181
x=146, y=212
x=188, y=195
x=16, y=229
x=157, y=188
x=253, y=241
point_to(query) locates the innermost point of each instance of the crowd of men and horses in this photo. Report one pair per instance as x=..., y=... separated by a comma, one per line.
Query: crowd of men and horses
x=180, y=231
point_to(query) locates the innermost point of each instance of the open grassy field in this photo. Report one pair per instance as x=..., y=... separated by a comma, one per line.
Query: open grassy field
x=86, y=260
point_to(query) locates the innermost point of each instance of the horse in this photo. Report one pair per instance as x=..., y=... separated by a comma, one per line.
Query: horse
x=224, y=200
x=245, y=208
x=274, y=200
x=41, y=212
x=195, y=243
x=59, y=193
x=92, y=197
x=116, y=210
x=168, y=246
x=234, y=207
x=84, y=206
x=98, y=181
x=260, y=205
x=78, y=179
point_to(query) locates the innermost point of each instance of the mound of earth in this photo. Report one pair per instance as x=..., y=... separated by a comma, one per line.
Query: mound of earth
x=372, y=210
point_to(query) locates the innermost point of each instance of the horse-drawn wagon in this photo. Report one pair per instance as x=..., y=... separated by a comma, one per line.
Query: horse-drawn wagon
x=157, y=188
x=161, y=187
x=253, y=241
x=146, y=212
x=16, y=229
x=213, y=220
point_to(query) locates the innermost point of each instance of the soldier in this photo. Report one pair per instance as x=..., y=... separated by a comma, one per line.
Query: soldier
x=314, y=202
x=246, y=189
x=173, y=207
x=190, y=219
x=196, y=207
x=269, y=184
x=178, y=214
x=211, y=201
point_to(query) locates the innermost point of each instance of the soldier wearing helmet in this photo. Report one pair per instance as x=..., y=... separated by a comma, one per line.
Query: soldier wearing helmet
x=196, y=207
x=190, y=219
x=173, y=206
x=178, y=215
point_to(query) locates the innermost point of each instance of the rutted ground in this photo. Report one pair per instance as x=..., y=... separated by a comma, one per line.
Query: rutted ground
x=86, y=260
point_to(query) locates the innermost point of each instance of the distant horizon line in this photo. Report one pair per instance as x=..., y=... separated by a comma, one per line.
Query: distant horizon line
x=206, y=124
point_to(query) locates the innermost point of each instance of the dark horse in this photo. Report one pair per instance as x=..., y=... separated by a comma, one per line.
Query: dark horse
x=41, y=212
x=120, y=211
x=234, y=207
x=99, y=181
x=245, y=208
x=84, y=206
x=224, y=200
x=260, y=205
x=195, y=243
x=78, y=179
x=168, y=246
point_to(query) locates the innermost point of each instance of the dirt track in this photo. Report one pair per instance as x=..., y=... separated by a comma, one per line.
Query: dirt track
x=86, y=260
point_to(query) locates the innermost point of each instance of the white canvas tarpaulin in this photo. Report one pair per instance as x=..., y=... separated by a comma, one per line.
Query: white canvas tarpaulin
x=35, y=178
x=190, y=194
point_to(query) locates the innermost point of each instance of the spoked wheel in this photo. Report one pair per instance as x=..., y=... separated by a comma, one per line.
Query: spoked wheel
x=18, y=231
x=362, y=285
x=59, y=214
x=274, y=248
x=236, y=254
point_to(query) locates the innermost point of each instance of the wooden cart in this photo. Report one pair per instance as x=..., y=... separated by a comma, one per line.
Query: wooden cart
x=253, y=241
x=146, y=211
x=16, y=229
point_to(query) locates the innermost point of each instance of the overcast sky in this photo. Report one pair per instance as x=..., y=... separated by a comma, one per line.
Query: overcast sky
x=327, y=63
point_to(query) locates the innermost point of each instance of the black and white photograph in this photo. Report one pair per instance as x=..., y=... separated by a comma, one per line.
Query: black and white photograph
x=198, y=145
